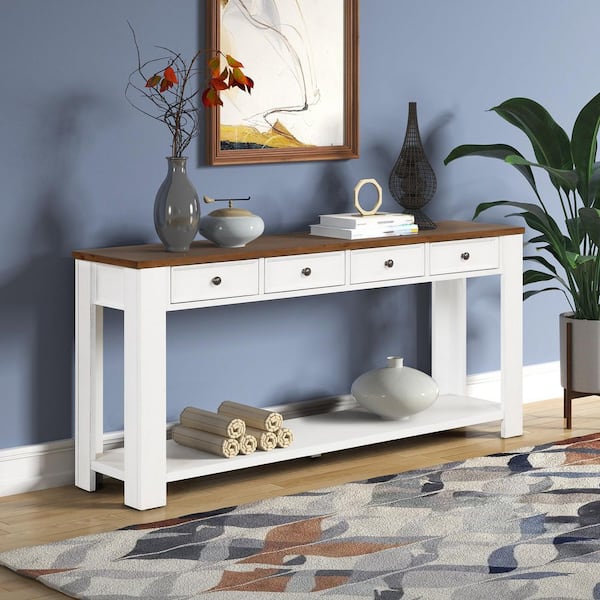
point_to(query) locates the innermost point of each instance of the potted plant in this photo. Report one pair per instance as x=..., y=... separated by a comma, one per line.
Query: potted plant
x=163, y=89
x=566, y=228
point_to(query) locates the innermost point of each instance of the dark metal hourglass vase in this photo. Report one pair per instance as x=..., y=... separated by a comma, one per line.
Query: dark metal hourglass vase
x=412, y=180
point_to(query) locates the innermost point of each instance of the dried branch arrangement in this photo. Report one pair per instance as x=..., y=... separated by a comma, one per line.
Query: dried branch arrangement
x=167, y=93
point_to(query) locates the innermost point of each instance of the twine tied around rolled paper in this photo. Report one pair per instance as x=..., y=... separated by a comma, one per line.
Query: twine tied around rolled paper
x=230, y=447
x=285, y=437
x=219, y=424
x=254, y=417
x=248, y=444
x=204, y=440
x=266, y=440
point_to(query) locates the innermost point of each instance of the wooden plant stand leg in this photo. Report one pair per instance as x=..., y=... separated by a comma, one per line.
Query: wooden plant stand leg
x=568, y=393
x=567, y=408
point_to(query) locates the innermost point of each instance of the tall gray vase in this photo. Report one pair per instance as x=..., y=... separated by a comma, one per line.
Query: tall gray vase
x=176, y=207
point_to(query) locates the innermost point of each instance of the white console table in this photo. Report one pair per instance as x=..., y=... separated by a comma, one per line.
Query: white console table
x=145, y=282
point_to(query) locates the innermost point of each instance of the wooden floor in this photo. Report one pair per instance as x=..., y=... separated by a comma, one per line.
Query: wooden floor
x=61, y=513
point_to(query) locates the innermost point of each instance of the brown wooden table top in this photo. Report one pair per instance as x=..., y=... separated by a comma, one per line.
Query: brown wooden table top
x=287, y=244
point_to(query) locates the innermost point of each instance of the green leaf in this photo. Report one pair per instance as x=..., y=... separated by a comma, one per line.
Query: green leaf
x=594, y=198
x=499, y=151
x=533, y=276
x=537, y=239
x=567, y=178
x=584, y=145
x=543, y=261
x=584, y=260
x=521, y=205
x=573, y=259
x=536, y=217
x=550, y=143
x=529, y=293
x=590, y=222
x=576, y=233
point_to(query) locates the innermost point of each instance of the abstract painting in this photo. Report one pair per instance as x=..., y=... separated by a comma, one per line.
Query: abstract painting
x=302, y=56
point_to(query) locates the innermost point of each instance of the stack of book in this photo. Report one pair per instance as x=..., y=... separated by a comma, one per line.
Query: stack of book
x=353, y=226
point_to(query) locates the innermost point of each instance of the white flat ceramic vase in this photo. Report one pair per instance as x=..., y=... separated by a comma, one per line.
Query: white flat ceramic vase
x=395, y=391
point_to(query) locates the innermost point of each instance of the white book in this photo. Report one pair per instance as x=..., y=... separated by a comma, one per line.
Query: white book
x=357, y=221
x=345, y=233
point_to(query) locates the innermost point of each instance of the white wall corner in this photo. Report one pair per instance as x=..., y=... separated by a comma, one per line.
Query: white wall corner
x=42, y=466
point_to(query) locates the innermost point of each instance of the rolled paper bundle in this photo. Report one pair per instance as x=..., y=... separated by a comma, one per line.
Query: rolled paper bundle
x=247, y=444
x=265, y=440
x=284, y=437
x=204, y=440
x=197, y=418
x=254, y=417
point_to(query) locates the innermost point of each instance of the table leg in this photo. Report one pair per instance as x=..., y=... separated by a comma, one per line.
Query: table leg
x=88, y=377
x=511, y=335
x=146, y=292
x=449, y=335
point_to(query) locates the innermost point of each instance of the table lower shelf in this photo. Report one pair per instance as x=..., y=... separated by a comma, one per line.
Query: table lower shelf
x=318, y=434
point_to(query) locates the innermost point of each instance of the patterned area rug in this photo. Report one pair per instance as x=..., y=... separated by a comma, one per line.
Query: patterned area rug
x=522, y=525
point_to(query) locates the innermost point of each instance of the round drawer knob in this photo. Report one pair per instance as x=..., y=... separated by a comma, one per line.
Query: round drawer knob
x=306, y=271
x=389, y=263
x=465, y=256
x=216, y=280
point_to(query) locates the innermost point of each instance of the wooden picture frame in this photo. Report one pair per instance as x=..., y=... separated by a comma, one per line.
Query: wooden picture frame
x=303, y=57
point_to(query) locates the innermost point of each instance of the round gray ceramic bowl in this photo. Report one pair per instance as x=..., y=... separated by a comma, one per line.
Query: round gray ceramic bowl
x=231, y=232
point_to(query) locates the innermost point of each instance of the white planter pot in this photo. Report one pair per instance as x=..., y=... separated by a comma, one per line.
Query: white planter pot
x=585, y=354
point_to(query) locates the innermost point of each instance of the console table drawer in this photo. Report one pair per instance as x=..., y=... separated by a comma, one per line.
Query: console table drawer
x=214, y=280
x=306, y=271
x=464, y=255
x=382, y=264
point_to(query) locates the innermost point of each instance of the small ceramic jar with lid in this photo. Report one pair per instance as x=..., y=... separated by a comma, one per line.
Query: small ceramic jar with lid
x=231, y=227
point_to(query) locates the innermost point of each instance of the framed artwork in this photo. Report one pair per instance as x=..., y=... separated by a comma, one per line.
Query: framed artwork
x=303, y=58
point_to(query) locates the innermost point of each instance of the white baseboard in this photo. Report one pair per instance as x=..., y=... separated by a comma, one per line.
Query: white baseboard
x=42, y=466
x=540, y=382
x=29, y=468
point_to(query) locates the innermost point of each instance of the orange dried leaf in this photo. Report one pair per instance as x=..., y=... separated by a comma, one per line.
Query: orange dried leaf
x=239, y=76
x=165, y=85
x=214, y=64
x=218, y=84
x=231, y=82
x=153, y=81
x=232, y=62
x=210, y=97
x=170, y=75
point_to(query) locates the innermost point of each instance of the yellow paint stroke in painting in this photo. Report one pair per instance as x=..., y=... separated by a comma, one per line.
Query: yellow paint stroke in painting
x=277, y=137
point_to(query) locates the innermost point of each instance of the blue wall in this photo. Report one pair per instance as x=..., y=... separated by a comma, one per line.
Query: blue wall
x=80, y=169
